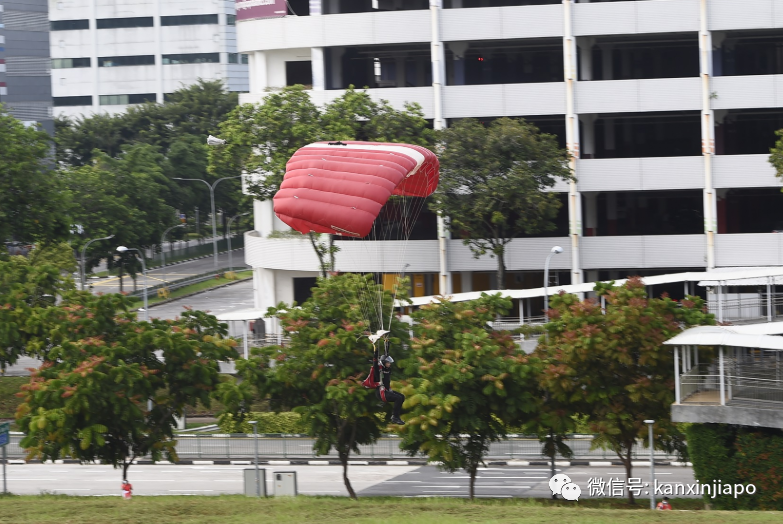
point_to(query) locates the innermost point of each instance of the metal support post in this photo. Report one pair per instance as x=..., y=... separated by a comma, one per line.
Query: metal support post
x=676, y=375
x=722, y=381
x=652, y=463
x=255, y=457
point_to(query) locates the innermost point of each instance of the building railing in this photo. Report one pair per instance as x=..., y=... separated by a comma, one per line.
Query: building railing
x=279, y=446
x=743, y=382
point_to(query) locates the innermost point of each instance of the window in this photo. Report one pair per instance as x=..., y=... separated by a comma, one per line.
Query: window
x=61, y=101
x=118, y=100
x=69, y=63
x=299, y=73
x=117, y=23
x=117, y=61
x=233, y=58
x=192, y=58
x=189, y=20
x=70, y=25
x=231, y=19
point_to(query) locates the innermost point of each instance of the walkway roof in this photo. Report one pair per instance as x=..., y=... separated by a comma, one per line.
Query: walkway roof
x=724, y=336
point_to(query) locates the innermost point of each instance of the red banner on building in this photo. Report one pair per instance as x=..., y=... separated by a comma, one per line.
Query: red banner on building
x=250, y=9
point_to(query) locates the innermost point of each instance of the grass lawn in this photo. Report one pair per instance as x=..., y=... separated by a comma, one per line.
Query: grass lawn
x=241, y=510
x=201, y=286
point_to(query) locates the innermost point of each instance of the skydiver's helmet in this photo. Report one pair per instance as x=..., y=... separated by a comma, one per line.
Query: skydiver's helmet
x=387, y=358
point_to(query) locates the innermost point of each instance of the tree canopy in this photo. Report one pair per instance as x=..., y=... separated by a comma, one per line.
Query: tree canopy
x=611, y=366
x=30, y=200
x=495, y=182
x=469, y=383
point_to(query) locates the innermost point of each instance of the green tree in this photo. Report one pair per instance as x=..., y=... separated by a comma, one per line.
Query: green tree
x=494, y=183
x=776, y=154
x=611, y=366
x=28, y=287
x=30, y=201
x=319, y=372
x=471, y=384
x=110, y=386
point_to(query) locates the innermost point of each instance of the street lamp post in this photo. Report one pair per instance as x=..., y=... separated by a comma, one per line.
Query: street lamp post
x=140, y=257
x=255, y=440
x=84, y=256
x=652, y=464
x=555, y=251
x=230, y=257
x=163, y=251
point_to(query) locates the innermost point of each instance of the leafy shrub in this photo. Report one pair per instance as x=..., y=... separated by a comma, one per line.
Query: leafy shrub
x=285, y=422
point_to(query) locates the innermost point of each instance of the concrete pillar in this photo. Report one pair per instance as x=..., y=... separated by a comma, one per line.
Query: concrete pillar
x=466, y=278
x=610, y=142
x=585, y=45
x=591, y=214
x=336, y=64
x=264, y=293
x=316, y=7
x=319, y=68
x=587, y=147
x=258, y=72
x=611, y=213
x=459, y=49
x=399, y=65
x=707, y=132
x=607, y=61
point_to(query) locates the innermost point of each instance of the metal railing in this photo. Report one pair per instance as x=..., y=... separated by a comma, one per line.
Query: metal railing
x=182, y=282
x=756, y=308
x=177, y=251
x=277, y=446
x=743, y=381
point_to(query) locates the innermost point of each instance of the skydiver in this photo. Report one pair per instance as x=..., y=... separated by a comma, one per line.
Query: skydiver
x=385, y=392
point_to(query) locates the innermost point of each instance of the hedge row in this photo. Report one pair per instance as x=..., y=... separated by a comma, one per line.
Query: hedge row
x=739, y=455
x=284, y=422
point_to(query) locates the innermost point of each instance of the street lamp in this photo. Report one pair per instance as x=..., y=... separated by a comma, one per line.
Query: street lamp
x=211, y=140
x=163, y=251
x=652, y=464
x=230, y=258
x=84, y=255
x=140, y=257
x=555, y=251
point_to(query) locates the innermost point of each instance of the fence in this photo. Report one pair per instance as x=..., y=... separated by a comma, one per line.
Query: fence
x=743, y=381
x=241, y=446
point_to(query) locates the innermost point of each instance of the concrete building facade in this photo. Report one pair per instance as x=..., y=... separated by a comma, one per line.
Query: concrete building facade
x=108, y=54
x=25, y=67
x=668, y=107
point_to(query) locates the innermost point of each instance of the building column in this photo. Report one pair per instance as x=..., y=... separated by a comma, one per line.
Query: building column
x=158, y=54
x=607, y=61
x=572, y=141
x=258, y=74
x=466, y=280
x=585, y=45
x=587, y=150
x=707, y=134
x=459, y=49
x=611, y=213
x=318, y=68
x=591, y=214
x=610, y=142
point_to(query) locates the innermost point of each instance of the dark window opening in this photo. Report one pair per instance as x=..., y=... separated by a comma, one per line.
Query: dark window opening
x=403, y=218
x=368, y=6
x=750, y=53
x=192, y=58
x=504, y=62
x=118, y=100
x=378, y=66
x=63, y=101
x=758, y=210
x=299, y=73
x=303, y=288
x=231, y=19
x=120, y=23
x=188, y=20
x=676, y=290
x=120, y=61
x=70, y=25
x=623, y=213
x=299, y=7
x=549, y=124
x=559, y=224
x=747, y=132
x=69, y=63
x=672, y=56
x=646, y=135
x=456, y=4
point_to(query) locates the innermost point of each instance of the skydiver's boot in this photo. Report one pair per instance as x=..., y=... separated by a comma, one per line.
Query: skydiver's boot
x=398, y=421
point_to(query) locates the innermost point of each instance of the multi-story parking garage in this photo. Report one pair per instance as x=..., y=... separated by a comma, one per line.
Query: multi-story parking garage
x=668, y=107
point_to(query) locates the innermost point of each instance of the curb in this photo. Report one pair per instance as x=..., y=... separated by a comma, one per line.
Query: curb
x=168, y=300
x=306, y=462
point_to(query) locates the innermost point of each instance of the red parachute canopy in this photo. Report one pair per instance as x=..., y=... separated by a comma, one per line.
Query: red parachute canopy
x=340, y=187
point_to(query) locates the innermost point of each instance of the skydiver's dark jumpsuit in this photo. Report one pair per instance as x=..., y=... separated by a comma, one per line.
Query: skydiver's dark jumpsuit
x=385, y=392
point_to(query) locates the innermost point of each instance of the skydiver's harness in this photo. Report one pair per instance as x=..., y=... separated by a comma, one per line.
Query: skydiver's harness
x=374, y=378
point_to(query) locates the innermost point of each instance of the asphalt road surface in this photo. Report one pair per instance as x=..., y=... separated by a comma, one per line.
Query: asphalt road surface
x=401, y=481
x=216, y=301
x=169, y=273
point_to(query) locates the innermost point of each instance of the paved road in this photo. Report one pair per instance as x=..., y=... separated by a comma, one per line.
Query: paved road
x=402, y=481
x=229, y=298
x=169, y=273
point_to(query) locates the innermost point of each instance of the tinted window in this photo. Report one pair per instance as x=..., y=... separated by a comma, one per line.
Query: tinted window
x=69, y=25
x=189, y=19
x=68, y=63
x=118, y=100
x=192, y=58
x=117, y=61
x=115, y=23
x=60, y=101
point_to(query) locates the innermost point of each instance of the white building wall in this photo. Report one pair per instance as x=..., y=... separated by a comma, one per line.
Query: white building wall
x=158, y=40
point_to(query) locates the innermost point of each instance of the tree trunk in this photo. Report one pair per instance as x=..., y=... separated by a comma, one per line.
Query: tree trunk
x=120, y=277
x=344, y=462
x=500, y=254
x=125, y=466
x=331, y=252
x=552, y=458
x=318, y=253
x=628, y=472
x=472, y=472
